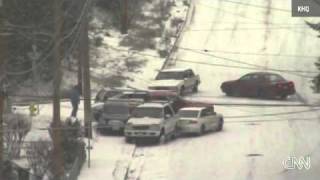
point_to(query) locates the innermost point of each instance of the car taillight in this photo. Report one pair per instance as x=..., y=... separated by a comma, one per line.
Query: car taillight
x=291, y=84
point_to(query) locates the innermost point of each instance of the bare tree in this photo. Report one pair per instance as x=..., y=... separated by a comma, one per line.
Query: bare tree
x=17, y=127
x=39, y=155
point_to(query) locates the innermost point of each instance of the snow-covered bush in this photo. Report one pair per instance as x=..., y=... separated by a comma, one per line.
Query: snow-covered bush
x=17, y=127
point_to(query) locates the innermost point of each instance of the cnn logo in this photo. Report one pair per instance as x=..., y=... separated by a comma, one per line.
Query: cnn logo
x=297, y=163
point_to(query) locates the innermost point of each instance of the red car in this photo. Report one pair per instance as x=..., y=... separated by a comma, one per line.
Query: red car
x=259, y=84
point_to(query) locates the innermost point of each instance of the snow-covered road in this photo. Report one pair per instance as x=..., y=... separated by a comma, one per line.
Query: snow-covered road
x=261, y=33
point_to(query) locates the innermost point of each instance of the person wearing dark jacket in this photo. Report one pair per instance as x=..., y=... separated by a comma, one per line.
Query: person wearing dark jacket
x=75, y=99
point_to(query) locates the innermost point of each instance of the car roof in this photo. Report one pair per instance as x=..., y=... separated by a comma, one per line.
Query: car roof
x=158, y=105
x=175, y=70
x=192, y=108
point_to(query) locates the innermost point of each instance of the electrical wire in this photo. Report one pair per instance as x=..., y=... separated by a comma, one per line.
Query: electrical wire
x=255, y=54
x=272, y=114
x=245, y=63
x=222, y=65
x=76, y=27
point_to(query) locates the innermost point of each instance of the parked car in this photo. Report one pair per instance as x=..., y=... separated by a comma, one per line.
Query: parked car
x=130, y=96
x=114, y=116
x=157, y=121
x=176, y=80
x=259, y=84
x=105, y=93
x=199, y=120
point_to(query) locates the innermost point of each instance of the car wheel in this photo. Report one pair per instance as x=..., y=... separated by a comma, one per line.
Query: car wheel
x=202, y=129
x=220, y=127
x=161, y=139
x=284, y=97
x=195, y=87
x=233, y=93
x=128, y=139
x=182, y=91
x=175, y=132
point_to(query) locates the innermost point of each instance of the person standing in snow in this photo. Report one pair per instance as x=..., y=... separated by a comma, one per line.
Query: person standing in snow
x=75, y=99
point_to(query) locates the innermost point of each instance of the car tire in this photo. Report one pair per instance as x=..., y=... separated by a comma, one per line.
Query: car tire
x=161, y=139
x=195, y=88
x=283, y=97
x=202, y=130
x=220, y=127
x=175, y=133
x=232, y=92
x=128, y=139
x=182, y=91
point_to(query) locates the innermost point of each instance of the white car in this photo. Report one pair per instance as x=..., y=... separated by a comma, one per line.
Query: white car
x=152, y=120
x=176, y=80
x=199, y=120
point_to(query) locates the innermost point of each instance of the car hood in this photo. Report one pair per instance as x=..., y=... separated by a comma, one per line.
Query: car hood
x=166, y=83
x=144, y=121
x=187, y=119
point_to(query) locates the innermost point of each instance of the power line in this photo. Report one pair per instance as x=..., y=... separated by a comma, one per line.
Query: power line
x=272, y=114
x=221, y=65
x=49, y=98
x=242, y=62
x=255, y=54
x=248, y=28
x=272, y=120
x=76, y=27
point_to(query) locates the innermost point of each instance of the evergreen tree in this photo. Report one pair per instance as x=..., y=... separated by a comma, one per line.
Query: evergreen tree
x=316, y=80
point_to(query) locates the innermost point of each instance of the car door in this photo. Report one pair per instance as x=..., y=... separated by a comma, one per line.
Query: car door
x=248, y=85
x=204, y=120
x=213, y=118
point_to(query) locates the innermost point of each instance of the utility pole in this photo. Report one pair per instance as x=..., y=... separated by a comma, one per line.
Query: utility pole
x=58, y=162
x=86, y=76
x=3, y=49
x=124, y=17
x=86, y=89
x=1, y=128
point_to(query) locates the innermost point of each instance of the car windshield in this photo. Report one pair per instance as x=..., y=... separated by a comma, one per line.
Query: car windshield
x=170, y=75
x=116, y=109
x=188, y=113
x=148, y=112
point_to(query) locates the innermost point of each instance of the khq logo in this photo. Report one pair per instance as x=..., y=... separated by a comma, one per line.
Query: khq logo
x=297, y=163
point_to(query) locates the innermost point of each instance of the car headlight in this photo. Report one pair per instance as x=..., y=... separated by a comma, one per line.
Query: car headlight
x=155, y=126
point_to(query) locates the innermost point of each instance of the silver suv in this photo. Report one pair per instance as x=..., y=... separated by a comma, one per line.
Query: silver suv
x=152, y=120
